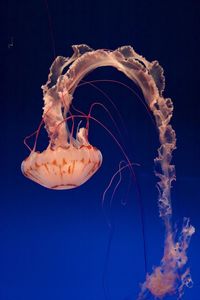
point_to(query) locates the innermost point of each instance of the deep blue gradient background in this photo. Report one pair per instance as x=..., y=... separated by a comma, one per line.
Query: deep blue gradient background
x=53, y=244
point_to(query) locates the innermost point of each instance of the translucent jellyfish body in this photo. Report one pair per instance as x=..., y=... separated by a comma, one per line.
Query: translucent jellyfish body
x=62, y=168
x=68, y=162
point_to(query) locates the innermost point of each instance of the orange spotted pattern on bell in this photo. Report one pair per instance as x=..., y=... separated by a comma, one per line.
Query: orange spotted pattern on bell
x=62, y=168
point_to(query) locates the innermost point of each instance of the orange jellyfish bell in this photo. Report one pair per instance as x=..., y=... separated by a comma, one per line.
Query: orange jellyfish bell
x=63, y=167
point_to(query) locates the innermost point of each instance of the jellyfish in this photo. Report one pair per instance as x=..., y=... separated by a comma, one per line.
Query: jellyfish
x=69, y=162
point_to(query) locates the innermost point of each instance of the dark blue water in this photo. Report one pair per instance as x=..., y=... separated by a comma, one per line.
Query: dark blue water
x=57, y=244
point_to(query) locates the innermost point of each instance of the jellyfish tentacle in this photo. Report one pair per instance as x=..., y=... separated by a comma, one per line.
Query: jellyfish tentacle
x=36, y=133
x=91, y=82
x=119, y=181
x=119, y=171
x=28, y=137
x=99, y=104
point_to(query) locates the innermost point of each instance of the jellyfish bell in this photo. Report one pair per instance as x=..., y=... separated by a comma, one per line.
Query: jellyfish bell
x=63, y=166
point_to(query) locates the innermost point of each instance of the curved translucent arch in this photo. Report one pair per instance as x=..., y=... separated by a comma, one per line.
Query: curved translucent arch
x=59, y=89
